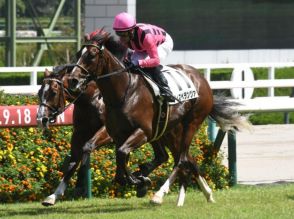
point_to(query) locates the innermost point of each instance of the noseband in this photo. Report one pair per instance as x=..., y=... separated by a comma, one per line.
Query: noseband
x=58, y=111
x=90, y=75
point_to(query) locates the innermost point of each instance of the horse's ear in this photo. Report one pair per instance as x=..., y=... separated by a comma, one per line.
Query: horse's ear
x=86, y=37
x=108, y=36
x=46, y=73
x=104, y=33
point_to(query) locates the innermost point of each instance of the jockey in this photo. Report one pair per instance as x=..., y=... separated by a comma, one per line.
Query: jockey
x=149, y=45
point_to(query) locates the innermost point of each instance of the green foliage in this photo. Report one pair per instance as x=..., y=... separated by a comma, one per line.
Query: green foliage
x=31, y=162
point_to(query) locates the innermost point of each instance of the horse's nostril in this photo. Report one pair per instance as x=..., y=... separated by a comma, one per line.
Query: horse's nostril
x=45, y=121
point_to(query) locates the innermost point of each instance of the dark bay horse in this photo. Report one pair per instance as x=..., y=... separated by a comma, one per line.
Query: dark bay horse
x=88, y=127
x=131, y=113
x=88, y=117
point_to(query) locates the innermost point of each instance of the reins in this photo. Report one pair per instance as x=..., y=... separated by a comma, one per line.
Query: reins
x=58, y=111
x=89, y=74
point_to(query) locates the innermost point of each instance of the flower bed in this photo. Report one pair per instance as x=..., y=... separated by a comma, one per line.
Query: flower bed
x=30, y=162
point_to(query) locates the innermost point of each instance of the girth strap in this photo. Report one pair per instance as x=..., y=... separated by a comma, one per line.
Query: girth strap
x=162, y=119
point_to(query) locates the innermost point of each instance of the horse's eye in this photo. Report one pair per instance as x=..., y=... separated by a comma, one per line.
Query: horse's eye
x=52, y=93
x=90, y=56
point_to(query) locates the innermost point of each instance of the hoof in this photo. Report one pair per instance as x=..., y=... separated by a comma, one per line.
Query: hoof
x=180, y=204
x=141, y=191
x=142, y=188
x=210, y=199
x=156, y=200
x=48, y=202
x=80, y=192
x=120, y=180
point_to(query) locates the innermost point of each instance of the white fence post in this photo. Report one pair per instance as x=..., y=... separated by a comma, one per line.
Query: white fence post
x=207, y=73
x=34, y=76
x=271, y=76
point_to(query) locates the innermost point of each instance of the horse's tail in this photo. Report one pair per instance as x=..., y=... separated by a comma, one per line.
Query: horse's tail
x=225, y=114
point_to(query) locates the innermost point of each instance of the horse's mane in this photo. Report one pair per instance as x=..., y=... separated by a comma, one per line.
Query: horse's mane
x=114, y=46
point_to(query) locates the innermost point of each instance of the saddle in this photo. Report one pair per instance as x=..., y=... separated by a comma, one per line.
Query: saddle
x=182, y=88
x=179, y=83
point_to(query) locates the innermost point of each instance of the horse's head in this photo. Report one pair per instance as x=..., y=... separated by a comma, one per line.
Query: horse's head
x=94, y=55
x=51, y=97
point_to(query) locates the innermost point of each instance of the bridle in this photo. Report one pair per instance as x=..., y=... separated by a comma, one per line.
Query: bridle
x=57, y=111
x=88, y=75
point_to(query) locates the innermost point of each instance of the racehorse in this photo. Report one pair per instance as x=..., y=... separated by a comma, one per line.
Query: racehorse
x=88, y=117
x=131, y=113
x=87, y=121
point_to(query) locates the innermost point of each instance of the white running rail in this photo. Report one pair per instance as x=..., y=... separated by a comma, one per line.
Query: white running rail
x=269, y=103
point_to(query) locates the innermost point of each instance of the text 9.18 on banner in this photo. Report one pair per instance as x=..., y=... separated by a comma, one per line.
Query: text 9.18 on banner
x=21, y=116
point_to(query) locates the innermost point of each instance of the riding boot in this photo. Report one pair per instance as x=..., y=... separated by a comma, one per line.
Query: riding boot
x=159, y=78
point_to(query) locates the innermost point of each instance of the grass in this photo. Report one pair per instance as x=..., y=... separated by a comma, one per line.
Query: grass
x=266, y=201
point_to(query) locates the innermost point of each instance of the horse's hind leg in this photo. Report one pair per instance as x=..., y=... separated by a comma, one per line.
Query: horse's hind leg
x=164, y=189
x=201, y=181
x=183, y=188
x=205, y=188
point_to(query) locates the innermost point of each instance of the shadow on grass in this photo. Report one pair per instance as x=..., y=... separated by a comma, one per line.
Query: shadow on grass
x=291, y=197
x=85, y=209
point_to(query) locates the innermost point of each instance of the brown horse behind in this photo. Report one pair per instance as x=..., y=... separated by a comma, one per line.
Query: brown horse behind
x=88, y=128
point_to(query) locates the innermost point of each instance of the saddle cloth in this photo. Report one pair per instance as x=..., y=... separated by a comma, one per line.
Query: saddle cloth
x=179, y=83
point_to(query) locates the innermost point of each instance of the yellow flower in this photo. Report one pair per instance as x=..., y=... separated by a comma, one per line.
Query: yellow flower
x=98, y=172
x=9, y=147
x=43, y=168
x=11, y=156
x=31, y=130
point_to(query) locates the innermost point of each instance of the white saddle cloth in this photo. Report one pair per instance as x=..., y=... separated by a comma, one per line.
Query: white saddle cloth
x=179, y=83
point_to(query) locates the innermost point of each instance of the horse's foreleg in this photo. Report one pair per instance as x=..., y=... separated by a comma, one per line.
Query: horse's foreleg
x=160, y=156
x=100, y=139
x=51, y=199
x=137, y=139
x=164, y=189
x=75, y=158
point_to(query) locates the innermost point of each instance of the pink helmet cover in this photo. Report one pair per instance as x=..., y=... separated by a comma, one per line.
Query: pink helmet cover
x=123, y=22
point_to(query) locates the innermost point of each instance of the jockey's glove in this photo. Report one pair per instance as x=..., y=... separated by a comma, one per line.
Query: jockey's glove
x=132, y=65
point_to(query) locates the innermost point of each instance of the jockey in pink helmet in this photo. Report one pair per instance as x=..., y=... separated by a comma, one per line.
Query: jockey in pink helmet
x=149, y=45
